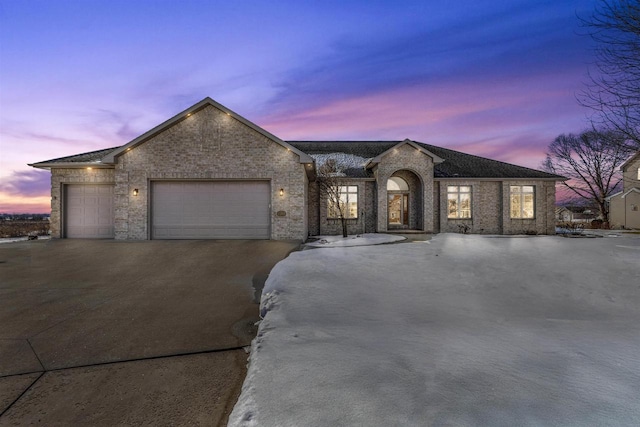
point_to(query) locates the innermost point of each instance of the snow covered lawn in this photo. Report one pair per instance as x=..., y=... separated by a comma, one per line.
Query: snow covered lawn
x=358, y=240
x=459, y=330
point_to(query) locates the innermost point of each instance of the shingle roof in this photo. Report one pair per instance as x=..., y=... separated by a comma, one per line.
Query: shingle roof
x=90, y=157
x=366, y=149
x=456, y=164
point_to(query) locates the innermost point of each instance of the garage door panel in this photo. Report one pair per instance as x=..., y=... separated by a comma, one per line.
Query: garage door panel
x=89, y=211
x=211, y=210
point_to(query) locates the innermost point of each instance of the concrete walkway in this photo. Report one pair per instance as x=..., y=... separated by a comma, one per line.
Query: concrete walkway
x=107, y=332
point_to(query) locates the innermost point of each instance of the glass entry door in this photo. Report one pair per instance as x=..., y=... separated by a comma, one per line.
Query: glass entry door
x=398, y=212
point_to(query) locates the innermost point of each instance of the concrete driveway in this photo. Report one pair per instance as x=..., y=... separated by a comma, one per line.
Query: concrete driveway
x=108, y=332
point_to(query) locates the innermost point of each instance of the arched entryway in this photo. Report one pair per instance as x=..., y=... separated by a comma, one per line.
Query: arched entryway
x=404, y=201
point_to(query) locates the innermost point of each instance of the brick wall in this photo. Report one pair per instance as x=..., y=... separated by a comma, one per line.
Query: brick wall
x=486, y=207
x=210, y=145
x=545, y=200
x=321, y=225
x=207, y=145
x=490, y=208
x=405, y=158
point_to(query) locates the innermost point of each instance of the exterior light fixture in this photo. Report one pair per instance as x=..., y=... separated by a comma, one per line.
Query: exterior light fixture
x=135, y=191
x=281, y=192
x=89, y=168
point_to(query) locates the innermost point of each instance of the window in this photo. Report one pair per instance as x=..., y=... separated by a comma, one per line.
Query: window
x=395, y=183
x=458, y=201
x=522, y=201
x=348, y=197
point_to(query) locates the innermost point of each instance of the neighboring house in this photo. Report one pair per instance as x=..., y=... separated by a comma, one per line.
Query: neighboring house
x=624, y=206
x=210, y=173
x=575, y=214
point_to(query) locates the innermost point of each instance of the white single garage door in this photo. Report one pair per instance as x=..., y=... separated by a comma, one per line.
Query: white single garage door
x=210, y=210
x=88, y=211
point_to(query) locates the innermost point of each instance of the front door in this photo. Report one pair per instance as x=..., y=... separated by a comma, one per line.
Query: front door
x=399, y=210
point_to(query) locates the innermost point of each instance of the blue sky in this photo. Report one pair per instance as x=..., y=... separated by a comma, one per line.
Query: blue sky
x=493, y=78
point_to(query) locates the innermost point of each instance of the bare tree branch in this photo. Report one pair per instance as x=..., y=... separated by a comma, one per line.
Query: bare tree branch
x=329, y=178
x=591, y=161
x=613, y=90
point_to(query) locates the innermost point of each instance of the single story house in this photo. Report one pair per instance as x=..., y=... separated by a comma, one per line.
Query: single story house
x=624, y=206
x=577, y=214
x=209, y=173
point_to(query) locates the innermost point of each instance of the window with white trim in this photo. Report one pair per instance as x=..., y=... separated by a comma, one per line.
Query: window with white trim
x=458, y=201
x=522, y=199
x=348, y=197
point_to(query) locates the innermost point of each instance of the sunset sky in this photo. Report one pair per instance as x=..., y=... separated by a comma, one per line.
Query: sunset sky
x=493, y=78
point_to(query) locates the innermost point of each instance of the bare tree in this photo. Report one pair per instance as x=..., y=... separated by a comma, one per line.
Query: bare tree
x=613, y=91
x=591, y=161
x=330, y=185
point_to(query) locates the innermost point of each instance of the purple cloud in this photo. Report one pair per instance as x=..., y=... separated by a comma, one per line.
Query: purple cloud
x=30, y=183
x=515, y=42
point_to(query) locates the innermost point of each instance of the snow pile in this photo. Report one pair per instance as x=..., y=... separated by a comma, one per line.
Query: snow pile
x=464, y=330
x=349, y=241
x=343, y=161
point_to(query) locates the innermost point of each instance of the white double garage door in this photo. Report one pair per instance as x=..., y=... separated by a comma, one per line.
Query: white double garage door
x=178, y=210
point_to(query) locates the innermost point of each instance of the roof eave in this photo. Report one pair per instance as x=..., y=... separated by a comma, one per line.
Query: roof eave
x=631, y=190
x=506, y=178
x=70, y=165
x=613, y=195
x=111, y=157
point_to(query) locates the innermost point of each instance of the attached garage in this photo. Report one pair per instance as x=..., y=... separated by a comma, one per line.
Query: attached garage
x=88, y=211
x=210, y=209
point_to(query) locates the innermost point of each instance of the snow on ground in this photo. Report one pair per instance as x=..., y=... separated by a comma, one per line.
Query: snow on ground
x=21, y=239
x=460, y=330
x=357, y=240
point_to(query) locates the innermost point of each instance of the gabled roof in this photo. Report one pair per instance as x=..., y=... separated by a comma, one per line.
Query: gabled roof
x=455, y=164
x=623, y=194
x=420, y=148
x=90, y=159
x=631, y=190
x=110, y=158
